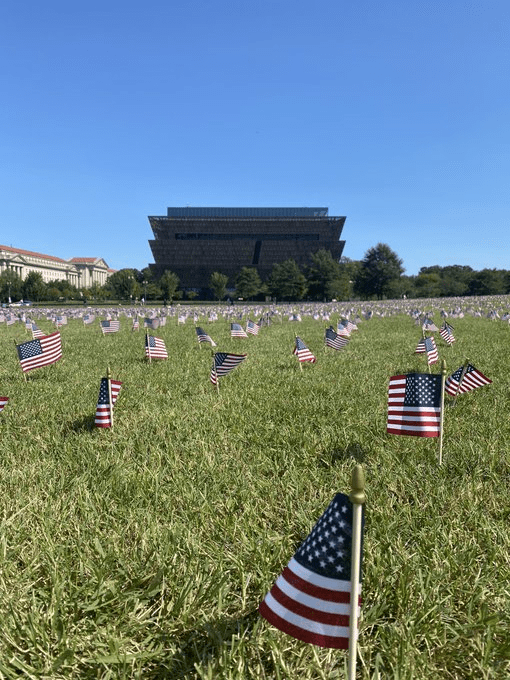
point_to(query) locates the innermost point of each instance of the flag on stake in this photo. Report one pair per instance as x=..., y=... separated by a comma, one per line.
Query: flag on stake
x=155, y=348
x=40, y=352
x=3, y=402
x=109, y=326
x=446, y=332
x=334, y=340
x=202, y=336
x=237, y=331
x=465, y=379
x=316, y=599
x=302, y=352
x=108, y=392
x=252, y=327
x=223, y=363
x=414, y=405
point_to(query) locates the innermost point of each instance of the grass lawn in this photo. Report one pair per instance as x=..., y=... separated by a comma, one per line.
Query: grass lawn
x=144, y=551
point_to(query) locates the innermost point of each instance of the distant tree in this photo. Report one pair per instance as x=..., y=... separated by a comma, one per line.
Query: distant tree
x=428, y=285
x=287, y=282
x=122, y=284
x=34, y=287
x=248, y=283
x=169, y=283
x=11, y=286
x=488, y=282
x=325, y=277
x=218, y=284
x=191, y=294
x=380, y=270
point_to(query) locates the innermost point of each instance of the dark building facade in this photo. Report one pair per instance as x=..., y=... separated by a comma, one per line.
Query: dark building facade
x=195, y=242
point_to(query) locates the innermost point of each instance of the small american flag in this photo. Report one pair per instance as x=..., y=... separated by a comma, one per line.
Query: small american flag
x=3, y=402
x=203, y=336
x=414, y=405
x=446, y=332
x=223, y=363
x=252, y=327
x=469, y=379
x=88, y=318
x=237, y=331
x=334, y=340
x=302, y=352
x=110, y=326
x=155, y=348
x=103, y=411
x=310, y=600
x=136, y=325
x=36, y=332
x=40, y=352
x=151, y=323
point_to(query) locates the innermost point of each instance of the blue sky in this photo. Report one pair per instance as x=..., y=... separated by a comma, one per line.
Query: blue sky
x=394, y=113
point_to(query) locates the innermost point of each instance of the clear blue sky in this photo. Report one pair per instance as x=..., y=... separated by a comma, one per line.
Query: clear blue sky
x=394, y=113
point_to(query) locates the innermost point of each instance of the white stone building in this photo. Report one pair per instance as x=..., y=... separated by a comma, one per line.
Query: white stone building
x=82, y=272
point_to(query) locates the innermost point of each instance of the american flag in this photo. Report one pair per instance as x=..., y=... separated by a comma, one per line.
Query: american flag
x=414, y=405
x=136, y=324
x=348, y=325
x=252, y=327
x=89, y=318
x=36, y=332
x=40, y=352
x=237, y=331
x=60, y=321
x=310, y=600
x=3, y=402
x=429, y=325
x=103, y=413
x=223, y=363
x=471, y=379
x=302, y=352
x=203, y=336
x=155, y=348
x=151, y=323
x=334, y=340
x=446, y=332
x=110, y=326
x=342, y=330
x=427, y=346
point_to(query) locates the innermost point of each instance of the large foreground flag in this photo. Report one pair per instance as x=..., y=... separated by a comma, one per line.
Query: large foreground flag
x=414, y=405
x=302, y=352
x=465, y=379
x=311, y=600
x=103, y=410
x=40, y=352
x=3, y=402
x=155, y=348
x=223, y=363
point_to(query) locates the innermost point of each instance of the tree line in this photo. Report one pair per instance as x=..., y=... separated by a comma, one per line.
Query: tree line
x=380, y=274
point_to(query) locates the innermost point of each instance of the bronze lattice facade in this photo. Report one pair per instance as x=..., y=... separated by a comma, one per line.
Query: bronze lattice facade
x=195, y=242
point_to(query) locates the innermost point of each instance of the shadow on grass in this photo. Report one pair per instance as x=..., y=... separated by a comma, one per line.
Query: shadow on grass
x=352, y=451
x=85, y=424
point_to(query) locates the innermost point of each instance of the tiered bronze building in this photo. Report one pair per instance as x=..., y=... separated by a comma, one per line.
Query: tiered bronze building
x=195, y=242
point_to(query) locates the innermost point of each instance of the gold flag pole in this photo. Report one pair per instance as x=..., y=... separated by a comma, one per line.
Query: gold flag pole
x=109, y=379
x=147, y=344
x=461, y=378
x=217, y=385
x=357, y=498
x=441, y=421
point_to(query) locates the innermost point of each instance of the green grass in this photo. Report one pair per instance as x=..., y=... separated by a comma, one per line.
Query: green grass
x=144, y=551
